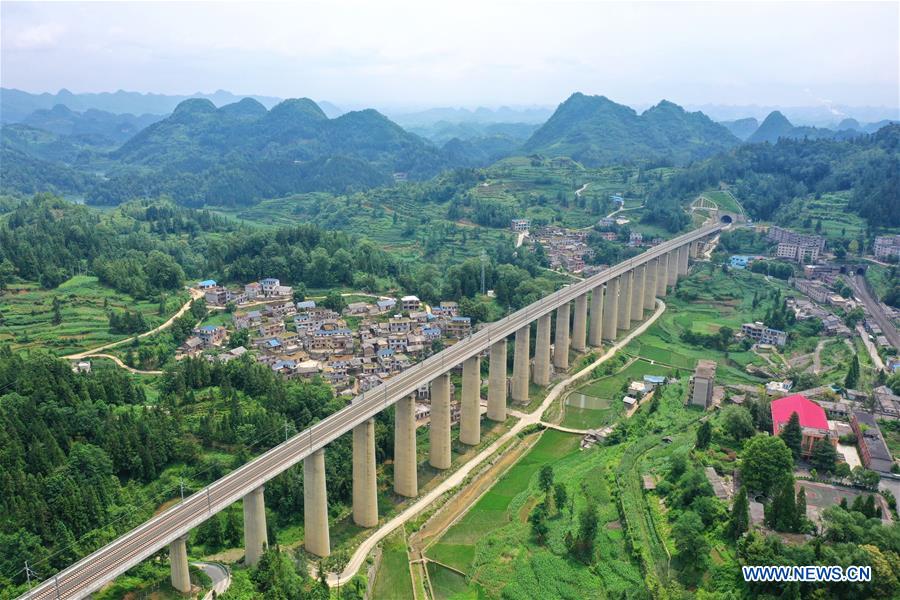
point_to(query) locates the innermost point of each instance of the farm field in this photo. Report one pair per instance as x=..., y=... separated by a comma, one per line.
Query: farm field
x=393, y=579
x=705, y=302
x=599, y=403
x=493, y=545
x=831, y=209
x=27, y=315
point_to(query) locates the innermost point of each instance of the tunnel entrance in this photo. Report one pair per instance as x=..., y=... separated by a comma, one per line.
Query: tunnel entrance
x=725, y=219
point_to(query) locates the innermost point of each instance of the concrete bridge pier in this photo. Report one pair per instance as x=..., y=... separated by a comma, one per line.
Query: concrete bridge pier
x=683, y=260
x=365, y=484
x=470, y=403
x=595, y=335
x=496, y=404
x=315, y=505
x=406, y=481
x=672, y=269
x=541, y=373
x=650, y=285
x=439, y=451
x=637, y=293
x=255, y=536
x=625, y=289
x=561, y=346
x=610, y=309
x=178, y=563
x=579, y=324
x=521, y=363
x=662, y=275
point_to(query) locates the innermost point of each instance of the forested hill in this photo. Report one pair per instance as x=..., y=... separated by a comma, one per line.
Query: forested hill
x=769, y=177
x=233, y=155
x=198, y=135
x=596, y=131
x=776, y=126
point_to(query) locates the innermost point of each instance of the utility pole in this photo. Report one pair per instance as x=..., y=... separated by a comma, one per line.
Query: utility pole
x=181, y=485
x=285, y=431
x=28, y=575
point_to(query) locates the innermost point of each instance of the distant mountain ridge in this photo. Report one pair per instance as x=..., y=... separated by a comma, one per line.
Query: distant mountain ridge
x=595, y=130
x=776, y=126
x=97, y=127
x=198, y=135
x=16, y=105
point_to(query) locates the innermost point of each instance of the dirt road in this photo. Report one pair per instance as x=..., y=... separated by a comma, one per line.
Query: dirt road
x=195, y=295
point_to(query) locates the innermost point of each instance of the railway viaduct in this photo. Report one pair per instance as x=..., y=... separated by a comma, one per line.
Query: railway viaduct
x=587, y=313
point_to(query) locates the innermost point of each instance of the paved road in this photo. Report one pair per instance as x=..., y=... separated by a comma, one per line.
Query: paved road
x=220, y=575
x=93, y=571
x=858, y=283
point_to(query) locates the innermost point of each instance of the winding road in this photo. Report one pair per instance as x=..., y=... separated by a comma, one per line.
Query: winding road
x=195, y=295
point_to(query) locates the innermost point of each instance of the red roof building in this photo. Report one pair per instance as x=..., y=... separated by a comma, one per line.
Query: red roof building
x=812, y=420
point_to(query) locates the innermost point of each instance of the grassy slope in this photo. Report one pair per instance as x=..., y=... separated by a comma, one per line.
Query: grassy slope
x=27, y=311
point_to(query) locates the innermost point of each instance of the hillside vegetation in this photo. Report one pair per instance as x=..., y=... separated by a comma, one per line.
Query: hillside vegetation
x=596, y=131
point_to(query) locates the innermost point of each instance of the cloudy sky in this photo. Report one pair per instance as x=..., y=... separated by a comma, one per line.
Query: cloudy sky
x=425, y=53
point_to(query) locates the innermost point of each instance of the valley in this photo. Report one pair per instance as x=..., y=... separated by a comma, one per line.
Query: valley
x=264, y=348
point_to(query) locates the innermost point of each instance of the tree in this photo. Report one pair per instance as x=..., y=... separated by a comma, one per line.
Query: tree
x=545, y=478
x=560, y=495
x=824, y=456
x=842, y=470
x=334, y=301
x=801, y=509
x=692, y=549
x=740, y=515
x=765, y=461
x=704, y=435
x=781, y=512
x=57, y=314
x=792, y=434
x=737, y=421
x=587, y=530
x=852, y=377
x=538, y=520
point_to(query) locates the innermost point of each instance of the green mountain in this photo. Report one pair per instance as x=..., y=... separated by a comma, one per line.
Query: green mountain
x=91, y=127
x=199, y=136
x=776, y=126
x=596, y=131
x=741, y=128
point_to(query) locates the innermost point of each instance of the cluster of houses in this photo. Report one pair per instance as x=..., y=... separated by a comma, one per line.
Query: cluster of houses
x=565, y=248
x=265, y=289
x=301, y=339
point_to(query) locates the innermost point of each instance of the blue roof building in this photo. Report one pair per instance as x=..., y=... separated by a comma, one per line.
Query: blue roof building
x=739, y=261
x=207, y=283
x=654, y=379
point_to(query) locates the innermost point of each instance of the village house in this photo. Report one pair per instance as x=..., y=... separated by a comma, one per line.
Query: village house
x=409, y=303
x=385, y=304
x=217, y=296
x=761, y=334
x=519, y=224
x=813, y=421
x=872, y=448
x=458, y=327
x=446, y=308
x=210, y=335
x=253, y=291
